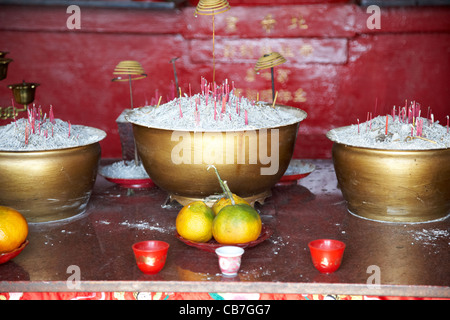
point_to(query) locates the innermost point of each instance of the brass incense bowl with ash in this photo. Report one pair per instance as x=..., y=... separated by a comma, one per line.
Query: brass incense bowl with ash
x=393, y=185
x=48, y=182
x=251, y=159
x=48, y=185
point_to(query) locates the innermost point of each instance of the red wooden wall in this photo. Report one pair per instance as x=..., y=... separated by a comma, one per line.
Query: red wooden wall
x=336, y=66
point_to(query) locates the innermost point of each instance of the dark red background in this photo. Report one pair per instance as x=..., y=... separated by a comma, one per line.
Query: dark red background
x=350, y=66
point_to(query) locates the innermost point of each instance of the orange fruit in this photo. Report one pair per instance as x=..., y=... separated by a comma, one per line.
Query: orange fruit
x=238, y=223
x=222, y=202
x=194, y=222
x=13, y=229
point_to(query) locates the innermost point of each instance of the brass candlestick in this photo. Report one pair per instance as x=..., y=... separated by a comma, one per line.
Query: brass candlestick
x=212, y=7
x=23, y=92
x=267, y=61
x=4, y=64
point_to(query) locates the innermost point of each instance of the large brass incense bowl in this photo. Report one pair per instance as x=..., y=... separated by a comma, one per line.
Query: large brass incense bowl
x=394, y=185
x=48, y=185
x=177, y=161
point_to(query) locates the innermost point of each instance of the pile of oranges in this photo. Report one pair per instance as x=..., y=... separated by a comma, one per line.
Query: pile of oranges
x=231, y=220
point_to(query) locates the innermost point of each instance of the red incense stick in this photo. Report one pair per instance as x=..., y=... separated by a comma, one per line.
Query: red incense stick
x=387, y=120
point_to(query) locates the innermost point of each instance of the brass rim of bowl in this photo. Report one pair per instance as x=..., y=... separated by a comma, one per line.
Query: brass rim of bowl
x=100, y=132
x=399, y=151
x=302, y=116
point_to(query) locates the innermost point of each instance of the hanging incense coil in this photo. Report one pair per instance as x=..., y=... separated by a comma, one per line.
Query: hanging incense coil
x=208, y=8
x=269, y=60
x=211, y=7
x=129, y=70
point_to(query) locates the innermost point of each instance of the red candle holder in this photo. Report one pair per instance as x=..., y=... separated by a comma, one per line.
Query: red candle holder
x=326, y=254
x=150, y=255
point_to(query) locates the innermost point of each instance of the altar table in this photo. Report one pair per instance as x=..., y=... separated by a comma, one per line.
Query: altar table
x=90, y=257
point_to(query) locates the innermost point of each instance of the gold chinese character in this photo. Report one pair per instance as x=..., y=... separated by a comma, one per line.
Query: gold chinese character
x=284, y=96
x=246, y=51
x=306, y=50
x=250, y=76
x=265, y=49
x=300, y=95
x=286, y=51
x=266, y=95
x=298, y=23
x=268, y=23
x=266, y=75
x=229, y=51
x=283, y=75
x=231, y=24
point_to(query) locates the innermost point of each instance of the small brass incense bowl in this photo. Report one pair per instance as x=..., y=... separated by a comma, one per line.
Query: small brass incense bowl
x=394, y=185
x=48, y=185
x=24, y=92
x=247, y=170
